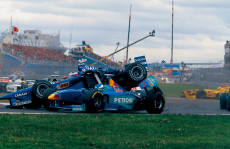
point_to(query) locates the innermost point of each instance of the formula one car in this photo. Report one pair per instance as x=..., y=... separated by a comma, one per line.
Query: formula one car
x=94, y=90
x=18, y=84
x=206, y=93
x=3, y=82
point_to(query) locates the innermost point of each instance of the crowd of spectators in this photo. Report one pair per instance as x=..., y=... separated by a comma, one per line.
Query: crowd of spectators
x=34, y=53
x=37, y=55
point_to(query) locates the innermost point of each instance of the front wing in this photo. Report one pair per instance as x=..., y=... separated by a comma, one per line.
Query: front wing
x=19, y=98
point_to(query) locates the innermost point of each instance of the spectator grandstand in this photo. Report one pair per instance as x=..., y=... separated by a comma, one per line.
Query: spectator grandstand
x=39, y=55
x=29, y=54
x=37, y=62
x=40, y=62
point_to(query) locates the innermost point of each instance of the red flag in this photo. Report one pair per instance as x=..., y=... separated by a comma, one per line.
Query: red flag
x=87, y=47
x=15, y=29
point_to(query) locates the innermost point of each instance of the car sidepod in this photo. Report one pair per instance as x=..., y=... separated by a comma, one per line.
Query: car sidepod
x=120, y=100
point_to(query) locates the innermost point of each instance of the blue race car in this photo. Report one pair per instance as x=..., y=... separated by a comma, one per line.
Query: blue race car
x=94, y=90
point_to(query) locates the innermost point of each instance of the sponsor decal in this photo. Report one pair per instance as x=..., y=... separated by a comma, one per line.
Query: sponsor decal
x=77, y=109
x=117, y=89
x=115, y=86
x=144, y=84
x=89, y=68
x=141, y=60
x=21, y=94
x=111, y=109
x=152, y=81
x=22, y=103
x=4, y=80
x=148, y=82
x=97, y=93
x=123, y=100
x=64, y=85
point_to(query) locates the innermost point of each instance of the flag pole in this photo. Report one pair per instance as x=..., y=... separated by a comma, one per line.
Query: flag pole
x=11, y=23
x=127, y=51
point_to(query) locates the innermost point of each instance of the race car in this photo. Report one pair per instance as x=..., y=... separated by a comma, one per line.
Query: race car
x=3, y=82
x=206, y=93
x=94, y=90
x=15, y=85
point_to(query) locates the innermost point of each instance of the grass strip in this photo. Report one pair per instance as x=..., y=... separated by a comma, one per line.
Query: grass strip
x=108, y=130
x=175, y=90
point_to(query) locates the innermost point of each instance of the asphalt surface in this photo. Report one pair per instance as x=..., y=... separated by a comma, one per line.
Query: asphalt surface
x=193, y=106
x=173, y=106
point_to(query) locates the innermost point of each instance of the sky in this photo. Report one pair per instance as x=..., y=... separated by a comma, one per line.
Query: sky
x=201, y=27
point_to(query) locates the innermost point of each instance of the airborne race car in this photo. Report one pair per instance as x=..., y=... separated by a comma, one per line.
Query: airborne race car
x=94, y=90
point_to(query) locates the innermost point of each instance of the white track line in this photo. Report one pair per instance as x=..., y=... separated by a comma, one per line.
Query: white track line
x=3, y=103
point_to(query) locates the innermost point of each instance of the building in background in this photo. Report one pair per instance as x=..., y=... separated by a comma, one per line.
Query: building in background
x=33, y=38
x=38, y=55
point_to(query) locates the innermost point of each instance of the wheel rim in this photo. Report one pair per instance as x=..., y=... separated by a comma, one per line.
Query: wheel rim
x=98, y=102
x=41, y=89
x=159, y=103
x=137, y=72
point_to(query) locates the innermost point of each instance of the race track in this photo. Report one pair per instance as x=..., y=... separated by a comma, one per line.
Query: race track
x=193, y=106
x=173, y=106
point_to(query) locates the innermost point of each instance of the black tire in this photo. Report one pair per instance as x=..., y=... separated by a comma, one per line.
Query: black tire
x=201, y=94
x=155, y=102
x=223, y=101
x=228, y=104
x=46, y=103
x=39, y=88
x=136, y=72
x=48, y=92
x=94, y=101
x=37, y=92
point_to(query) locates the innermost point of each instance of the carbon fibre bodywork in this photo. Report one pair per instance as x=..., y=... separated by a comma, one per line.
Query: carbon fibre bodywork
x=94, y=90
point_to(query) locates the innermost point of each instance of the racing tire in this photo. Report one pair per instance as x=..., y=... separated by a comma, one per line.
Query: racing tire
x=46, y=102
x=223, y=101
x=155, y=102
x=201, y=94
x=48, y=92
x=94, y=101
x=136, y=73
x=37, y=92
x=228, y=104
x=39, y=88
